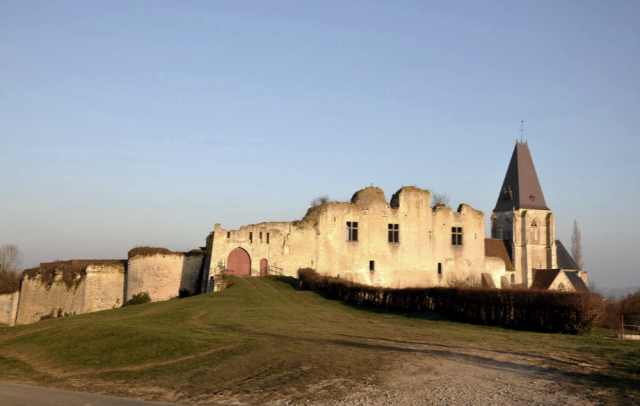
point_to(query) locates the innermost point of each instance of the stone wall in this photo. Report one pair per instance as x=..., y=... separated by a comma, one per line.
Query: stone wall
x=163, y=274
x=38, y=300
x=9, y=308
x=104, y=287
x=100, y=287
x=319, y=241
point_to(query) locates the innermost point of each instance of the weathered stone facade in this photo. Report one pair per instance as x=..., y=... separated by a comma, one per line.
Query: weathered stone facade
x=101, y=288
x=9, y=308
x=399, y=244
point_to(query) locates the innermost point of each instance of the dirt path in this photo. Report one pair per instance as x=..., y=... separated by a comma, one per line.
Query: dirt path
x=455, y=378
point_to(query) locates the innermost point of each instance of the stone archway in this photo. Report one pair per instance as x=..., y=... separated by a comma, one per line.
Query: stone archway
x=239, y=263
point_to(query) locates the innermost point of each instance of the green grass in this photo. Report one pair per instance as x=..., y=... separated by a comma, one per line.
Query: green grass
x=261, y=338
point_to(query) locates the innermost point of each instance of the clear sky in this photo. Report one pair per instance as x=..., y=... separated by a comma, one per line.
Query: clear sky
x=147, y=122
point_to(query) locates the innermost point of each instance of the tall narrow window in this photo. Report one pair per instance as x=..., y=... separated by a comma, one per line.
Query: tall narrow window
x=250, y=237
x=372, y=265
x=394, y=232
x=439, y=268
x=260, y=237
x=456, y=235
x=352, y=231
x=267, y=238
x=228, y=234
x=513, y=278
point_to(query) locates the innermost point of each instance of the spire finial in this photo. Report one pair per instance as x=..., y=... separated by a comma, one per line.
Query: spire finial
x=521, y=129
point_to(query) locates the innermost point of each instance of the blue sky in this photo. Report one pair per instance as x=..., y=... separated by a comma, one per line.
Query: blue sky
x=147, y=122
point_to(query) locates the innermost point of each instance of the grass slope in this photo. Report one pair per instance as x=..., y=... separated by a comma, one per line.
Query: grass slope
x=262, y=339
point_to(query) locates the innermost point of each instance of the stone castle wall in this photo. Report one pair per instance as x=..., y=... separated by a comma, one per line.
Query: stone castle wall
x=9, y=308
x=319, y=241
x=38, y=300
x=163, y=275
x=101, y=288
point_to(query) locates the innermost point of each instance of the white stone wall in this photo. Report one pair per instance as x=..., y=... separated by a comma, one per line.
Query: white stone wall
x=163, y=275
x=319, y=240
x=37, y=300
x=9, y=308
x=104, y=287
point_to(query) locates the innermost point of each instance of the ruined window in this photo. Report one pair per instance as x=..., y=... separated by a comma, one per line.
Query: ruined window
x=513, y=278
x=352, y=231
x=250, y=237
x=456, y=235
x=267, y=238
x=439, y=269
x=394, y=232
x=372, y=265
x=228, y=234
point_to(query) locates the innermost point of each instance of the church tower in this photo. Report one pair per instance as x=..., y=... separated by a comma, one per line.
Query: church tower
x=522, y=218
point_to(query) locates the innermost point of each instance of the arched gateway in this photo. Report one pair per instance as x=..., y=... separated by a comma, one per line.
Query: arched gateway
x=239, y=263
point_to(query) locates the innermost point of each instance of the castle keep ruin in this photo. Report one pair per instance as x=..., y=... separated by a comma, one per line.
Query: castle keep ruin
x=401, y=243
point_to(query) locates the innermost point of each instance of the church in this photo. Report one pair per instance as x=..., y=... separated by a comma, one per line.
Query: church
x=407, y=242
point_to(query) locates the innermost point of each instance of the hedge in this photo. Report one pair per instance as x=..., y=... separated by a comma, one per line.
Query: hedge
x=533, y=310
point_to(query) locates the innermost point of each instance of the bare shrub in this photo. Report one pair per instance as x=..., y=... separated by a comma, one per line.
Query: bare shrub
x=320, y=200
x=9, y=282
x=439, y=199
x=465, y=279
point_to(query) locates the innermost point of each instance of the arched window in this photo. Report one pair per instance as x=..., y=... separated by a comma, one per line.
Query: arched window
x=513, y=278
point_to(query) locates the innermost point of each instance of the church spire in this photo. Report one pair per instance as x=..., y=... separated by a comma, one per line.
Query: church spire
x=521, y=188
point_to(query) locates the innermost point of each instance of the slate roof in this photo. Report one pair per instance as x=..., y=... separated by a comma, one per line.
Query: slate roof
x=521, y=183
x=564, y=259
x=495, y=247
x=543, y=278
x=577, y=281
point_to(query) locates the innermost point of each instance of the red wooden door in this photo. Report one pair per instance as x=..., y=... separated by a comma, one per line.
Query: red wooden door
x=239, y=263
x=263, y=267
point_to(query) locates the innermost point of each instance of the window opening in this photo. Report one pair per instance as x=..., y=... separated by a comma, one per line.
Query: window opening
x=228, y=234
x=456, y=235
x=372, y=265
x=250, y=237
x=352, y=231
x=534, y=223
x=440, y=268
x=513, y=278
x=267, y=238
x=260, y=237
x=533, y=198
x=394, y=232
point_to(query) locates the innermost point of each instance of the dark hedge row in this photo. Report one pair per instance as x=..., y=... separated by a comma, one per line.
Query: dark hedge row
x=533, y=310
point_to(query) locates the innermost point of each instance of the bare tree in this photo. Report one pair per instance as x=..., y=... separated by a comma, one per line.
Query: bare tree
x=439, y=199
x=320, y=200
x=10, y=258
x=576, y=245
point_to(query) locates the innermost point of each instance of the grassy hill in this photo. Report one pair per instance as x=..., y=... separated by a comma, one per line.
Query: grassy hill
x=262, y=339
